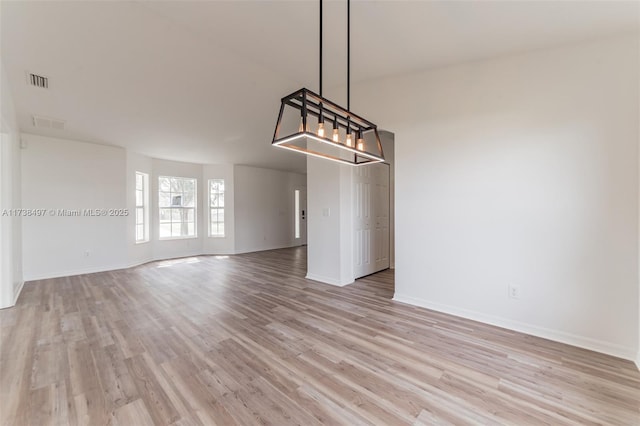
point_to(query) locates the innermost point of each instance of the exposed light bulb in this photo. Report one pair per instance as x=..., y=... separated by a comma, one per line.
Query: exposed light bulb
x=336, y=135
x=301, y=127
x=349, y=141
x=360, y=142
x=321, y=129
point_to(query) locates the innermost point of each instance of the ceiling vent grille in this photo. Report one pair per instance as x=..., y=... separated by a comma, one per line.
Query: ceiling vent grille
x=47, y=123
x=38, y=80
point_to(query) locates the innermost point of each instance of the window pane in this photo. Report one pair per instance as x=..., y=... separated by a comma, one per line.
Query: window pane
x=216, y=205
x=177, y=204
x=164, y=184
x=296, y=213
x=141, y=199
x=188, y=199
x=165, y=215
x=176, y=185
x=164, y=199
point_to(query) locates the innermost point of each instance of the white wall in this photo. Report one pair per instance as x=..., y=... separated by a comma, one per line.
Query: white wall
x=226, y=244
x=521, y=170
x=329, y=222
x=263, y=206
x=388, y=146
x=331, y=226
x=10, y=198
x=65, y=174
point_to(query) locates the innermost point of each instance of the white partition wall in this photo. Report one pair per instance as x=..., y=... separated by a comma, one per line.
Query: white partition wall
x=10, y=199
x=521, y=172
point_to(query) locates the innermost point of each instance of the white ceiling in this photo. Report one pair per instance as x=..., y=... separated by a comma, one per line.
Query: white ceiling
x=201, y=81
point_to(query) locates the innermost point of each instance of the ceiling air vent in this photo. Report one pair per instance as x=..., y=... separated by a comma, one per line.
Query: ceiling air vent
x=38, y=80
x=47, y=123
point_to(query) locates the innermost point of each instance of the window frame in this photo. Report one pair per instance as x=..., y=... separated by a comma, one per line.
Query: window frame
x=144, y=206
x=217, y=208
x=182, y=208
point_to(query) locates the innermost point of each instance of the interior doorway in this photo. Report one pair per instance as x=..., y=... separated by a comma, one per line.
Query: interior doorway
x=372, y=209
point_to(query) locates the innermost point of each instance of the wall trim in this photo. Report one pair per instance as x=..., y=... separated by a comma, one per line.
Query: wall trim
x=16, y=293
x=74, y=272
x=327, y=280
x=141, y=262
x=258, y=249
x=638, y=360
x=546, y=333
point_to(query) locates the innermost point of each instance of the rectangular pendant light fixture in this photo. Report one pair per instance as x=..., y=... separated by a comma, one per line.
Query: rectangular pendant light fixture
x=315, y=126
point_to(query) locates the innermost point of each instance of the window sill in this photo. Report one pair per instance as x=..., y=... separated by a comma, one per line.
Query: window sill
x=177, y=238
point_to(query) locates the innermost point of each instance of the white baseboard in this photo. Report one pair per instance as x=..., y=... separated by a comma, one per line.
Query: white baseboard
x=17, y=292
x=73, y=272
x=546, y=333
x=141, y=262
x=258, y=249
x=327, y=280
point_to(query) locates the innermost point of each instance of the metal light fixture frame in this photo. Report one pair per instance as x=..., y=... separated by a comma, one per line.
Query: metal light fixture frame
x=310, y=104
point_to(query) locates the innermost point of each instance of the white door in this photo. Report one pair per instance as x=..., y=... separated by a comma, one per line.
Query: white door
x=371, y=208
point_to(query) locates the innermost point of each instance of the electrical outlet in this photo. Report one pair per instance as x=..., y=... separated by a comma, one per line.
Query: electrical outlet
x=87, y=253
x=514, y=291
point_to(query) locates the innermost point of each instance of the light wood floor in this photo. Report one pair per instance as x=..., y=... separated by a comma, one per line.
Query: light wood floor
x=247, y=340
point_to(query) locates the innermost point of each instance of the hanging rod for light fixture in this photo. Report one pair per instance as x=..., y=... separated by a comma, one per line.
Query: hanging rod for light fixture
x=303, y=114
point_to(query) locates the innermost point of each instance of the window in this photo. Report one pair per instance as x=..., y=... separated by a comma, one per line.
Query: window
x=296, y=213
x=177, y=205
x=142, y=209
x=216, y=208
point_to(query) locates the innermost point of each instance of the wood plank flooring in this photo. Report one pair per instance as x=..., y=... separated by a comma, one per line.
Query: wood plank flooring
x=247, y=340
